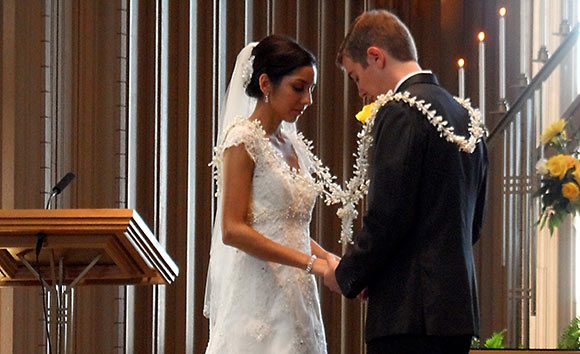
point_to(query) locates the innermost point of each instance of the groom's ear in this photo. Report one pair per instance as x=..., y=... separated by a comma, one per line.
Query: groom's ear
x=376, y=56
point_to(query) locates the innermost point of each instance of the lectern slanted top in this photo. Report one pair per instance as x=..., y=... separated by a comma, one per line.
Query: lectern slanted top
x=119, y=243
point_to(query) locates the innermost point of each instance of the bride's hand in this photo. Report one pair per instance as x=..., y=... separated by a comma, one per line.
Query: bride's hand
x=319, y=267
x=330, y=276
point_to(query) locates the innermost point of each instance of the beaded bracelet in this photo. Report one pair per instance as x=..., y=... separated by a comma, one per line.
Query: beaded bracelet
x=310, y=264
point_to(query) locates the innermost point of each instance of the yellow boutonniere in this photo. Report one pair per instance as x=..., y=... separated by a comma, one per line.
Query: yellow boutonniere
x=365, y=113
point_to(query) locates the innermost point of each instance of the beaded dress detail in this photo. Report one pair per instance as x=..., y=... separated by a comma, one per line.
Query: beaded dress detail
x=256, y=306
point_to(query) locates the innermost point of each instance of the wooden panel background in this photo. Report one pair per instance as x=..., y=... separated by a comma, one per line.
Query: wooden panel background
x=182, y=55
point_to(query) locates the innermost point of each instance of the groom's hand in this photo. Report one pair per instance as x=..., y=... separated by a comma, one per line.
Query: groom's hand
x=329, y=275
x=332, y=256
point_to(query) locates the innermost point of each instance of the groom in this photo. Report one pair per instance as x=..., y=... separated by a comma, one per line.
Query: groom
x=414, y=254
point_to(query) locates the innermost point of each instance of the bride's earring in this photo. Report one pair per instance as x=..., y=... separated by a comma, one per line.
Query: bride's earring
x=267, y=98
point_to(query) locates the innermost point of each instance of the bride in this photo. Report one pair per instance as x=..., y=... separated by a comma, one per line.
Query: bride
x=261, y=295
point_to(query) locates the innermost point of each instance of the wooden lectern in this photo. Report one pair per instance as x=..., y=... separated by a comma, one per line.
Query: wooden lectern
x=78, y=247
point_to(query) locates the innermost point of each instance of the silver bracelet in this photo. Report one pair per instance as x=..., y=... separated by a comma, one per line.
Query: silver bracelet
x=310, y=264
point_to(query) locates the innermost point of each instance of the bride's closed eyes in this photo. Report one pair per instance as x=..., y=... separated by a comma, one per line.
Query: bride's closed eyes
x=303, y=87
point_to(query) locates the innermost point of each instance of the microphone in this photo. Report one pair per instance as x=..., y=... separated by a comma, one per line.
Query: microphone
x=60, y=186
x=56, y=190
x=63, y=183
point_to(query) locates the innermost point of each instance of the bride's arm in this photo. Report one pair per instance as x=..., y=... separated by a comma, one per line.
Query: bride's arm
x=320, y=252
x=238, y=170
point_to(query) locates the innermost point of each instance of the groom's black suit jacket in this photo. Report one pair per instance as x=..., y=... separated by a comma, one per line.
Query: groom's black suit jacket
x=426, y=200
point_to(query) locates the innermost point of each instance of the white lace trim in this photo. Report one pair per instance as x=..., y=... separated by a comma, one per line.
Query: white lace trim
x=257, y=136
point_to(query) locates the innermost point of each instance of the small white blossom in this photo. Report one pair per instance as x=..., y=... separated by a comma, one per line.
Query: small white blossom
x=542, y=167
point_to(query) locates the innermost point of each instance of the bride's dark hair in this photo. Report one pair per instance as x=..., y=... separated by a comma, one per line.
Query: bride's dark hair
x=277, y=56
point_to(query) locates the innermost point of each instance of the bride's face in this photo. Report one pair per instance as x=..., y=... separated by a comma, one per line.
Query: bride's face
x=294, y=93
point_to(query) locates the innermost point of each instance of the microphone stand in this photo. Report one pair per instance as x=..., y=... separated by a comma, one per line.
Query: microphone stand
x=61, y=313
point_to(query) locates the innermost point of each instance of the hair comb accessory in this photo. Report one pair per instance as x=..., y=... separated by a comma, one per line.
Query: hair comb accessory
x=247, y=71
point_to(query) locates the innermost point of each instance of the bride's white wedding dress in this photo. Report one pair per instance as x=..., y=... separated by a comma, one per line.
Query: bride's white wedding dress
x=256, y=306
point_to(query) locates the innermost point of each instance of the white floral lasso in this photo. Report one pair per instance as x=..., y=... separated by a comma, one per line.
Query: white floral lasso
x=476, y=127
x=247, y=71
x=356, y=188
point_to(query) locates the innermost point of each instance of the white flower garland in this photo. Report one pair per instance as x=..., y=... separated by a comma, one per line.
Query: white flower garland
x=476, y=128
x=357, y=186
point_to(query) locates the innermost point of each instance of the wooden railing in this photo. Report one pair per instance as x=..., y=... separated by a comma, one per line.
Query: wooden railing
x=515, y=139
x=519, y=105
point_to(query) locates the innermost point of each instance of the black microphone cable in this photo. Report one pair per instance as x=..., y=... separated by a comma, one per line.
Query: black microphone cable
x=40, y=238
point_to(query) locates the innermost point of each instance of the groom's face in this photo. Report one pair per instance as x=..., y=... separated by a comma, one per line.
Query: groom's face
x=365, y=78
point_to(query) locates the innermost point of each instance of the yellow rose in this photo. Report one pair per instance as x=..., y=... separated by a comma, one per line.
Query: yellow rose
x=560, y=164
x=365, y=113
x=553, y=130
x=570, y=191
x=576, y=173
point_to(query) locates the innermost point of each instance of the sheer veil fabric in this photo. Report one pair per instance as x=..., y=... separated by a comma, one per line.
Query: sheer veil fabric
x=235, y=105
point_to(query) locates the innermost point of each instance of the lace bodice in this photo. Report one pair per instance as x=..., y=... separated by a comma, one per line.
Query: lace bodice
x=274, y=308
x=280, y=193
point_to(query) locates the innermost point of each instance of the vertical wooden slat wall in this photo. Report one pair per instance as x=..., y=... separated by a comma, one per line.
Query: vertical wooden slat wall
x=179, y=161
x=205, y=109
x=22, y=117
x=7, y=152
x=183, y=54
x=94, y=101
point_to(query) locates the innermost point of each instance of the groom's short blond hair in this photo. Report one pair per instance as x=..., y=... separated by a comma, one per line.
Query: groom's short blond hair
x=379, y=28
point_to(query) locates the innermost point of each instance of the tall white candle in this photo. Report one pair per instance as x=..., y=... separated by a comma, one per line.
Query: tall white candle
x=543, y=23
x=461, y=77
x=564, y=10
x=502, y=87
x=524, y=36
x=481, y=37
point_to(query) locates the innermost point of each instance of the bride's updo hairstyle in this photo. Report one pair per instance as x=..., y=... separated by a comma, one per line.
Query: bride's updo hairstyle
x=276, y=56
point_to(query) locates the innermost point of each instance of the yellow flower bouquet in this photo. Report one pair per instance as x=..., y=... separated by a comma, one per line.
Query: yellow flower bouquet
x=559, y=177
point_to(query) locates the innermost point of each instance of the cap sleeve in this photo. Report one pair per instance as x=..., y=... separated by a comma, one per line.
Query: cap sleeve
x=242, y=133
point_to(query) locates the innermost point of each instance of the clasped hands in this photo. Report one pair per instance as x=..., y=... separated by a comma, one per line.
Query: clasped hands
x=329, y=275
x=327, y=270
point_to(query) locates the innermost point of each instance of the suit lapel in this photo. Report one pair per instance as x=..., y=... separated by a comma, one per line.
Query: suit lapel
x=422, y=78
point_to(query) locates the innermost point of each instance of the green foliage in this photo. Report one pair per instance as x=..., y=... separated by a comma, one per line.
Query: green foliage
x=570, y=338
x=475, y=343
x=496, y=340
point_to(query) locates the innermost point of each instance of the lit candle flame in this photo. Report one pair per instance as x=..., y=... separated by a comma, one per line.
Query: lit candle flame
x=481, y=36
x=502, y=11
x=461, y=62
